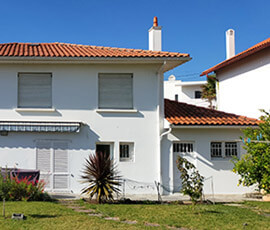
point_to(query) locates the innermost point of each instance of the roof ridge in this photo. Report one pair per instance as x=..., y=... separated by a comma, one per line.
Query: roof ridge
x=253, y=49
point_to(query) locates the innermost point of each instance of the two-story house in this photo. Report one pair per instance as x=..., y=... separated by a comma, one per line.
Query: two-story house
x=61, y=102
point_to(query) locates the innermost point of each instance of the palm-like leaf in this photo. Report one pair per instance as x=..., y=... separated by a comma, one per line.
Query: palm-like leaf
x=101, y=176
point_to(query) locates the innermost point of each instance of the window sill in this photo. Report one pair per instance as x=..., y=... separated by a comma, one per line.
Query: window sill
x=116, y=110
x=49, y=110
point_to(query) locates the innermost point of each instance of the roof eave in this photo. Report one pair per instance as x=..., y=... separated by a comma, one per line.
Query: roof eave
x=212, y=126
x=172, y=62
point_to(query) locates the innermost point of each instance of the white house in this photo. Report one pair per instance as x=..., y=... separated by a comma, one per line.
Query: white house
x=61, y=102
x=185, y=91
x=243, y=79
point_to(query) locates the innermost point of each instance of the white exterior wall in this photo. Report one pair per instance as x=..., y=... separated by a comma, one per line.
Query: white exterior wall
x=75, y=98
x=244, y=86
x=185, y=92
x=224, y=180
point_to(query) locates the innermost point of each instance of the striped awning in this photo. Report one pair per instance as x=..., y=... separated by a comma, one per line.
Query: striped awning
x=38, y=126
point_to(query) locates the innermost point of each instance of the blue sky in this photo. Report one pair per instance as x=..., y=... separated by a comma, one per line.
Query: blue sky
x=196, y=27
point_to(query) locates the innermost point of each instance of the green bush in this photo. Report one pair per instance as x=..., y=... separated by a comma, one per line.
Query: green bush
x=14, y=189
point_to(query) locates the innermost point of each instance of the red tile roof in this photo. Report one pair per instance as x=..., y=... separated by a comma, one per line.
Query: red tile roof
x=178, y=113
x=258, y=47
x=72, y=50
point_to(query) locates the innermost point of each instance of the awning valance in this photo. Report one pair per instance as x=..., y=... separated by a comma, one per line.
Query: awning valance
x=39, y=126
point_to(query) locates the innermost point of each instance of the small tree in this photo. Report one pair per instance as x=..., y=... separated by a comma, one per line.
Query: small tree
x=254, y=166
x=101, y=176
x=192, y=181
x=209, y=90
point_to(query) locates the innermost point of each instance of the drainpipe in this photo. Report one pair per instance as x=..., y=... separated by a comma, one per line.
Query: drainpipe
x=160, y=115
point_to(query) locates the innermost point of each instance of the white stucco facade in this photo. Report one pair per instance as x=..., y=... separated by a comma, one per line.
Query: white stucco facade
x=243, y=87
x=75, y=98
x=219, y=178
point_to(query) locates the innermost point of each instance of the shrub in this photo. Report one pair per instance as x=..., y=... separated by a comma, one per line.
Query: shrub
x=192, y=181
x=14, y=189
x=254, y=166
x=101, y=176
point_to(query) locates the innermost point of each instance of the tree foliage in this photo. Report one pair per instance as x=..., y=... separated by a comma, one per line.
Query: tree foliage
x=192, y=181
x=101, y=176
x=209, y=90
x=254, y=166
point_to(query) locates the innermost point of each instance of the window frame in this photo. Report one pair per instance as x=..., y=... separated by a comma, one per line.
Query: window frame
x=51, y=91
x=184, y=142
x=132, y=91
x=131, y=150
x=223, y=150
x=196, y=92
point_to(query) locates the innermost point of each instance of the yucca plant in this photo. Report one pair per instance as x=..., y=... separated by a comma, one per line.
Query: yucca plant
x=101, y=176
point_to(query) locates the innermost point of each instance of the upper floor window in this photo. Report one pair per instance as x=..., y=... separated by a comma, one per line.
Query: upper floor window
x=224, y=149
x=176, y=97
x=115, y=91
x=198, y=94
x=35, y=90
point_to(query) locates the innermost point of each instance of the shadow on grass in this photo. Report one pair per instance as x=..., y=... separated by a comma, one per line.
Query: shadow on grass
x=43, y=216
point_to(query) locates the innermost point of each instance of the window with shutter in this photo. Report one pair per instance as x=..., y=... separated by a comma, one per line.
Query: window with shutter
x=34, y=90
x=115, y=91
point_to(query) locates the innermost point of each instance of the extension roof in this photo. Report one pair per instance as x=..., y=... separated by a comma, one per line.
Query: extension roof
x=254, y=49
x=182, y=114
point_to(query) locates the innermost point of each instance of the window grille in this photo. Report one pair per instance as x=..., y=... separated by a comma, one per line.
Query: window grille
x=216, y=149
x=182, y=147
x=230, y=149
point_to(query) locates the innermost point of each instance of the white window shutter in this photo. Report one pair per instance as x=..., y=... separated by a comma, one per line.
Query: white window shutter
x=60, y=182
x=35, y=90
x=60, y=157
x=116, y=91
x=44, y=157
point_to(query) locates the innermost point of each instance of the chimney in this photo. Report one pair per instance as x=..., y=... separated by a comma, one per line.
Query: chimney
x=155, y=36
x=230, y=43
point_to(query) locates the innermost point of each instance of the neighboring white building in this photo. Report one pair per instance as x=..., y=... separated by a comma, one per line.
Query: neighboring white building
x=185, y=91
x=243, y=80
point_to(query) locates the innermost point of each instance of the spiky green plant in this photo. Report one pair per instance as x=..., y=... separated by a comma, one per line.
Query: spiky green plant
x=101, y=176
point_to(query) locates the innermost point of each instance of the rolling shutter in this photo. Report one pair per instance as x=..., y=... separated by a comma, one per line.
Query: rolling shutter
x=115, y=91
x=35, y=90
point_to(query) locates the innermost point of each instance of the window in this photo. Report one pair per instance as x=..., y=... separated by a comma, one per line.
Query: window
x=115, y=91
x=198, y=94
x=176, y=97
x=216, y=149
x=34, y=90
x=230, y=149
x=126, y=151
x=182, y=147
x=224, y=149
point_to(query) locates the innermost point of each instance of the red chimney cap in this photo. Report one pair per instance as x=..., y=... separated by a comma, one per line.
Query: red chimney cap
x=155, y=21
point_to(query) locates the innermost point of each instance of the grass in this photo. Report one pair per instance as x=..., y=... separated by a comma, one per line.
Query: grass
x=199, y=217
x=50, y=215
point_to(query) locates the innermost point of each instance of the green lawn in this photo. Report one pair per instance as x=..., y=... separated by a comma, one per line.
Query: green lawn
x=46, y=215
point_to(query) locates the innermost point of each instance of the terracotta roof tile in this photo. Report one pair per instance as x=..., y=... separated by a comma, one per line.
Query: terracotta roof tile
x=258, y=47
x=178, y=113
x=71, y=50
